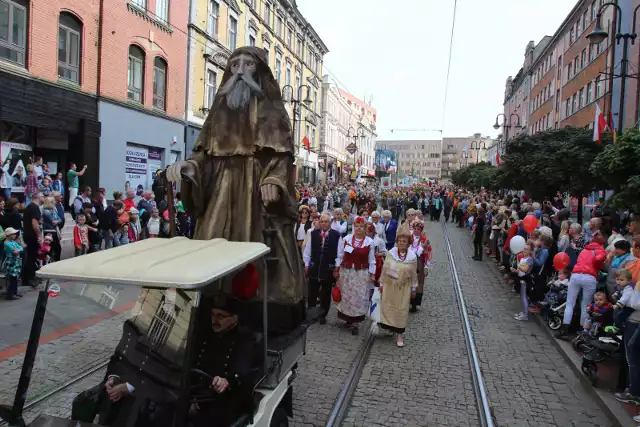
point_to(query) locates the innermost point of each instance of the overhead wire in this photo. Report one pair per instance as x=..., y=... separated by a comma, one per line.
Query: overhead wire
x=446, y=85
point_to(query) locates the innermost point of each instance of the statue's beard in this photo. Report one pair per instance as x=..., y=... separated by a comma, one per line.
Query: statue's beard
x=239, y=89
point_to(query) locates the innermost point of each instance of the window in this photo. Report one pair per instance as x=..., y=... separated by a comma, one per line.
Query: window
x=267, y=13
x=210, y=88
x=575, y=102
x=162, y=10
x=585, y=60
x=576, y=64
x=594, y=10
x=140, y=3
x=567, y=112
x=279, y=27
x=252, y=39
x=578, y=29
x=290, y=38
x=569, y=71
x=589, y=92
x=136, y=74
x=159, y=83
x=212, y=22
x=315, y=101
x=162, y=323
x=557, y=100
x=69, y=43
x=267, y=50
x=559, y=67
x=592, y=52
x=233, y=33
x=299, y=48
x=315, y=66
x=585, y=19
x=571, y=35
x=13, y=30
x=287, y=77
x=582, y=100
x=278, y=68
x=298, y=83
x=598, y=87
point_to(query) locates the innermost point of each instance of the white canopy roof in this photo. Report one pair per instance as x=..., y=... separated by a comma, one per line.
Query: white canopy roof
x=162, y=263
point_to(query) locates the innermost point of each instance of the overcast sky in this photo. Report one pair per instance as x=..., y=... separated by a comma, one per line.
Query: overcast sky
x=398, y=56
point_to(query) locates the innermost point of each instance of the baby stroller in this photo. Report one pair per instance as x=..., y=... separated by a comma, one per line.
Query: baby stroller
x=552, y=308
x=599, y=350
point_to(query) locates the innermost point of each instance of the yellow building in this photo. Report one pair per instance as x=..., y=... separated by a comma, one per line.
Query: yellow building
x=295, y=51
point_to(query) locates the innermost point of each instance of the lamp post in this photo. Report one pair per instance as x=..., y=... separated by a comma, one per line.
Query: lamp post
x=465, y=156
x=297, y=105
x=598, y=35
x=478, y=145
x=355, y=134
x=507, y=124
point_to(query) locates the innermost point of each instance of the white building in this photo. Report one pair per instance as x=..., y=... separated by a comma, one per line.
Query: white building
x=337, y=118
x=366, y=130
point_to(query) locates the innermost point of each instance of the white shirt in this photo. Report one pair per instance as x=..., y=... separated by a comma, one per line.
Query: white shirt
x=301, y=233
x=367, y=242
x=306, y=254
x=416, y=246
x=380, y=230
x=5, y=181
x=379, y=245
x=38, y=169
x=339, y=227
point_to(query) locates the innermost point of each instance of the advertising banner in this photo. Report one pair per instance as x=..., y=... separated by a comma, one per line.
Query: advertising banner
x=19, y=156
x=136, y=168
x=385, y=182
x=154, y=164
x=386, y=160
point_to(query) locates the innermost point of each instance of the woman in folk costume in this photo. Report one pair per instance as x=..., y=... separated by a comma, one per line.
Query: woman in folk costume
x=357, y=267
x=422, y=247
x=399, y=280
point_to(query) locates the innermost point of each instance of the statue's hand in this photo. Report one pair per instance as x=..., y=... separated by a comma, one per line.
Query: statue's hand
x=270, y=193
x=180, y=169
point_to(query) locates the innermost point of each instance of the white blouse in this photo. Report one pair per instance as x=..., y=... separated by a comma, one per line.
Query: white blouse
x=367, y=242
x=416, y=246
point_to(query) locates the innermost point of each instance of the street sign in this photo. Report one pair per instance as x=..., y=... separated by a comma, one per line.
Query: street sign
x=352, y=148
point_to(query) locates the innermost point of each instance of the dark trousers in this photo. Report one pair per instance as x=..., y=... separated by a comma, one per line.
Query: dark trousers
x=320, y=289
x=30, y=259
x=477, y=248
x=56, y=247
x=12, y=287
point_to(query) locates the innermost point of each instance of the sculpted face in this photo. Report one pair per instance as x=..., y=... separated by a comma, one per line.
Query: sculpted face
x=241, y=86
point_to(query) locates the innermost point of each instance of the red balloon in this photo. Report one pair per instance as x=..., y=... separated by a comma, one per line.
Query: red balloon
x=530, y=223
x=560, y=261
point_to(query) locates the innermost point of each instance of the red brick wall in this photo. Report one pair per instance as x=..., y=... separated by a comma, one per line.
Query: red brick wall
x=42, y=39
x=122, y=27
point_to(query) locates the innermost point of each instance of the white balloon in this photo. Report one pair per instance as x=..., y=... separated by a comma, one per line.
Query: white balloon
x=516, y=244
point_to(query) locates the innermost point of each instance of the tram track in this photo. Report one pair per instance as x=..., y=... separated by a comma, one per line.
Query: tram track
x=485, y=412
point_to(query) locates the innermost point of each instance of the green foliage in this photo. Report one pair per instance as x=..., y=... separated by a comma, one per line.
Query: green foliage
x=476, y=176
x=619, y=166
x=551, y=161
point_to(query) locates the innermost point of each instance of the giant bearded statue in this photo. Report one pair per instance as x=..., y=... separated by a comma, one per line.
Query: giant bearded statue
x=238, y=181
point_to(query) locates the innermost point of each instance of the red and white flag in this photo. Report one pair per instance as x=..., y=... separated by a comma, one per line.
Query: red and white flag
x=599, y=125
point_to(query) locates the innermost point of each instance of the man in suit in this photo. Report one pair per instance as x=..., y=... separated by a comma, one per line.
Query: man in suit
x=390, y=229
x=319, y=257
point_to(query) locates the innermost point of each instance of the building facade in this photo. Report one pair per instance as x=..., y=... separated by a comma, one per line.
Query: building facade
x=295, y=53
x=366, y=117
x=337, y=118
x=569, y=76
x=458, y=152
x=417, y=158
x=49, y=59
x=141, y=105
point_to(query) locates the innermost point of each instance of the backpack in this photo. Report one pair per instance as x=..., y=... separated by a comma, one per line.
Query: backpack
x=74, y=214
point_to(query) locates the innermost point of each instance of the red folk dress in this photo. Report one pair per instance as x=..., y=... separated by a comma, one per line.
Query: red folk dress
x=357, y=263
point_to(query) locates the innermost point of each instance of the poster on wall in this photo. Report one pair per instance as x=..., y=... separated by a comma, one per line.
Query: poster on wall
x=154, y=164
x=136, y=169
x=385, y=182
x=19, y=155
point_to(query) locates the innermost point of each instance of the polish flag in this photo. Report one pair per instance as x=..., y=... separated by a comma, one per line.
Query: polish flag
x=599, y=125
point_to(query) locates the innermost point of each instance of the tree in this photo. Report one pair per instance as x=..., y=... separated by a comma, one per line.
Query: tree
x=551, y=161
x=619, y=167
x=477, y=175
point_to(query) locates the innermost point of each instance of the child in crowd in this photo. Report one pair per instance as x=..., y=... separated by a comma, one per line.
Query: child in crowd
x=524, y=279
x=153, y=226
x=134, y=228
x=92, y=221
x=13, y=262
x=624, y=290
x=45, y=186
x=81, y=235
x=44, y=251
x=558, y=288
x=121, y=236
x=600, y=314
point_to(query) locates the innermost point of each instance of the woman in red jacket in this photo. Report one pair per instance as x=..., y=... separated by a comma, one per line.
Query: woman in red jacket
x=584, y=276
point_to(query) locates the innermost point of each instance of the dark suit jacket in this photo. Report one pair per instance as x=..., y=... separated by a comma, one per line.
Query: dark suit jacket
x=390, y=233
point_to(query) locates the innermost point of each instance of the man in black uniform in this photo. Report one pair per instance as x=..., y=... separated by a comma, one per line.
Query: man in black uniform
x=319, y=256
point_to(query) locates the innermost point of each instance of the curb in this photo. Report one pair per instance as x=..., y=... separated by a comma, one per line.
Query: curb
x=613, y=410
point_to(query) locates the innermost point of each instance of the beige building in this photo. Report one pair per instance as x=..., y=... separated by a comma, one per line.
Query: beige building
x=417, y=158
x=459, y=152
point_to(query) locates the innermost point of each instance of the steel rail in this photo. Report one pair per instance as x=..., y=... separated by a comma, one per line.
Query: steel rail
x=482, y=400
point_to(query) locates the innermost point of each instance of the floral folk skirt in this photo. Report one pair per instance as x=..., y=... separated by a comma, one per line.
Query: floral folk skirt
x=354, y=290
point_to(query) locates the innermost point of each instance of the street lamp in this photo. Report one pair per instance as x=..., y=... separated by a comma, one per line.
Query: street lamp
x=478, y=145
x=507, y=124
x=465, y=156
x=297, y=104
x=598, y=35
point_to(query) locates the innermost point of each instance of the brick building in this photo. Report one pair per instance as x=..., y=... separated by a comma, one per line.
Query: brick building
x=568, y=76
x=87, y=81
